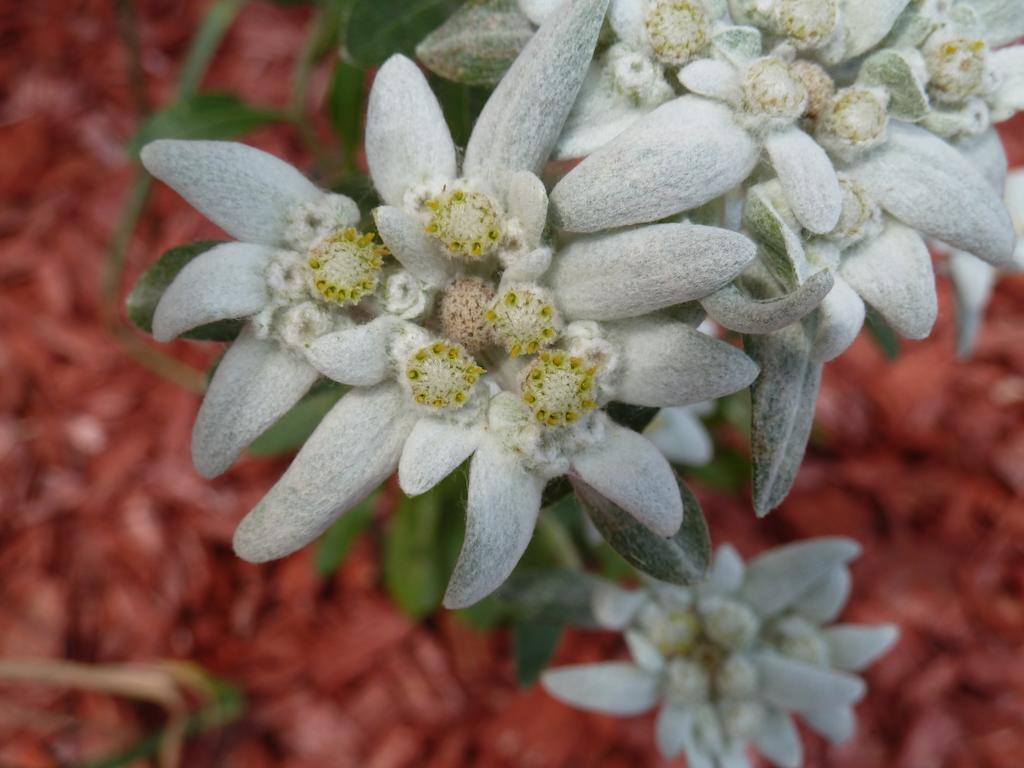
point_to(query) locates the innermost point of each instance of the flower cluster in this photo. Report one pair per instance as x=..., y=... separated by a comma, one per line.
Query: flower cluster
x=727, y=661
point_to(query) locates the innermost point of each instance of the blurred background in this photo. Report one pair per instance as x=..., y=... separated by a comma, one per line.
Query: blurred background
x=130, y=635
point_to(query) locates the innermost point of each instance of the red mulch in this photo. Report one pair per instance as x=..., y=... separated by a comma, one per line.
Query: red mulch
x=113, y=549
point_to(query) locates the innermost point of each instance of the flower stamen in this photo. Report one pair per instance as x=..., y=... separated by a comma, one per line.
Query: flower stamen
x=559, y=388
x=525, y=319
x=467, y=222
x=346, y=265
x=442, y=375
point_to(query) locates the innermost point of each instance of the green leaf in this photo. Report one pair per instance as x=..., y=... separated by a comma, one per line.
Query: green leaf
x=345, y=96
x=782, y=411
x=333, y=547
x=682, y=558
x=894, y=71
x=478, y=44
x=885, y=337
x=379, y=28
x=461, y=104
x=292, y=429
x=550, y=596
x=535, y=644
x=484, y=615
x=203, y=116
x=149, y=288
x=635, y=417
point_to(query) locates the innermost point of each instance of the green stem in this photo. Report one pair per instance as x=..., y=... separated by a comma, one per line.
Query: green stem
x=205, y=44
x=558, y=542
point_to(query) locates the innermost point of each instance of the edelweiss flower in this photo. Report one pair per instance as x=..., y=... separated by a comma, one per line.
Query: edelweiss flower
x=727, y=661
x=512, y=371
x=299, y=269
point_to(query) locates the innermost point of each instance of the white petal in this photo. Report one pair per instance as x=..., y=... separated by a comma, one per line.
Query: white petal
x=628, y=470
x=927, y=184
x=538, y=10
x=504, y=499
x=826, y=599
x=672, y=730
x=636, y=271
x=840, y=318
x=435, y=448
x=527, y=201
x=893, y=273
x=711, y=78
x=731, y=308
x=794, y=685
x=627, y=20
x=808, y=179
x=354, y=449
x=1002, y=19
x=867, y=22
x=246, y=192
x=667, y=363
x=615, y=607
x=684, y=154
x=407, y=138
x=681, y=436
x=611, y=687
x=776, y=579
x=853, y=647
x=357, y=356
x=836, y=724
x=643, y=651
x=599, y=115
x=988, y=155
x=522, y=119
x=1008, y=65
x=726, y=576
x=224, y=282
x=973, y=281
x=736, y=758
x=779, y=741
x=255, y=384
x=417, y=251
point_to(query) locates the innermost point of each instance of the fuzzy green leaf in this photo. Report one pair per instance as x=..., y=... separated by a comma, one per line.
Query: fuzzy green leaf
x=550, y=596
x=345, y=96
x=379, y=28
x=679, y=559
x=291, y=430
x=478, y=44
x=149, y=288
x=894, y=71
x=333, y=547
x=535, y=644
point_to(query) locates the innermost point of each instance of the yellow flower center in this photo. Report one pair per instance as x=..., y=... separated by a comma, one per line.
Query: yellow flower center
x=769, y=88
x=442, y=375
x=808, y=23
x=466, y=222
x=559, y=388
x=677, y=29
x=346, y=265
x=855, y=115
x=956, y=67
x=524, y=319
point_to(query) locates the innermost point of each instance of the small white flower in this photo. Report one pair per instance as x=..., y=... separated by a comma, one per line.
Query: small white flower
x=730, y=659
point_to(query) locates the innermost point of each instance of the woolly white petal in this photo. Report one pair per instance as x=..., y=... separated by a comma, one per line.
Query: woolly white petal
x=1008, y=65
x=358, y=355
x=712, y=78
x=668, y=363
x=246, y=192
x=672, y=730
x=354, y=449
x=615, y=607
x=1002, y=20
x=841, y=316
x=852, y=647
x=684, y=154
x=627, y=20
x=523, y=118
x=736, y=758
x=643, y=651
x=435, y=448
x=417, y=251
x=611, y=687
x=681, y=436
x=538, y=10
x=893, y=273
x=836, y=724
x=504, y=499
x=988, y=155
x=802, y=687
x=808, y=179
x=867, y=22
x=973, y=281
x=776, y=579
x=726, y=576
x=527, y=201
x=927, y=184
x=779, y=741
x=407, y=138
x=255, y=384
x=224, y=282
x=633, y=272
x=826, y=599
x=599, y=115
x=733, y=309
x=627, y=469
